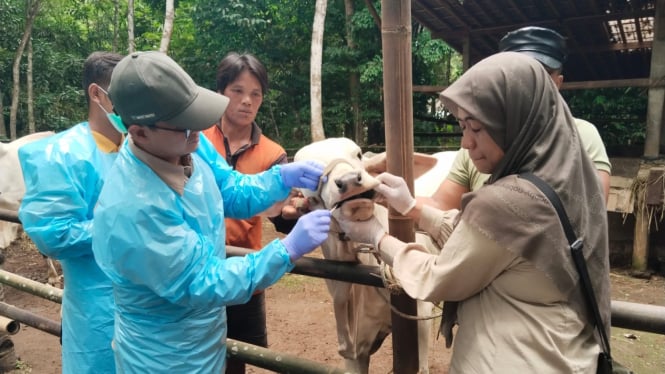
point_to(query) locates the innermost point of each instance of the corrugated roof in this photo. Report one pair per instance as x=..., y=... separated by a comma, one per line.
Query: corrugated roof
x=607, y=39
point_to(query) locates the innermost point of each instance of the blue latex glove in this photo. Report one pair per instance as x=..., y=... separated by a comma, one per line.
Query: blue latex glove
x=309, y=232
x=302, y=174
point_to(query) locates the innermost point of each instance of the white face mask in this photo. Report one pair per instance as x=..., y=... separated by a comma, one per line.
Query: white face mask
x=113, y=118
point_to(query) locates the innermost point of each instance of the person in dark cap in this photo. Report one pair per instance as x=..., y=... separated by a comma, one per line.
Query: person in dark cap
x=545, y=45
x=159, y=231
x=549, y=48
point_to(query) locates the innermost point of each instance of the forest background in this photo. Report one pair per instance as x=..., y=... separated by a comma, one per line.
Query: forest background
x=43, y=46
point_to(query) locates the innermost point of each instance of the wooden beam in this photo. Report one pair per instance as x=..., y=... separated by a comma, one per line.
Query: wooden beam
x=582, y=85
x=548, y=22
x=618, y=47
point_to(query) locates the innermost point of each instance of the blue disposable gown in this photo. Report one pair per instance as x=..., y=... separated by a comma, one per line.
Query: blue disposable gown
x=63, y=177
x=165, y=254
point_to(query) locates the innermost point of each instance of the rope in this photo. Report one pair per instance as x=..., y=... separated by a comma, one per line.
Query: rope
x=391, y=284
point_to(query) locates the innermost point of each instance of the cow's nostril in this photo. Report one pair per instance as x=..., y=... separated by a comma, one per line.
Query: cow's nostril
x=340, y=185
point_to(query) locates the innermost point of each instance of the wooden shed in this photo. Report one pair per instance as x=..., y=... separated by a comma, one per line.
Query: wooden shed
x=611, y=43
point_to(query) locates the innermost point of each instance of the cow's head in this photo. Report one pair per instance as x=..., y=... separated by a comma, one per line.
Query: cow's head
x=349, y=188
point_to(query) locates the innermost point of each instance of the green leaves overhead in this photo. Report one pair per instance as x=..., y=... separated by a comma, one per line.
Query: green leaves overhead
x=279, y=33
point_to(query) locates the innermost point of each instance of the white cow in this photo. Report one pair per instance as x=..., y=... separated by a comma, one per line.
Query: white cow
x=362, y=313
x=12, y=188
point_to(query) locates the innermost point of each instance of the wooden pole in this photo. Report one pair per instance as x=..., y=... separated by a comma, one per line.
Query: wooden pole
x=466, y=53
x=656, y=98
x=641, y=233
x=398, y=110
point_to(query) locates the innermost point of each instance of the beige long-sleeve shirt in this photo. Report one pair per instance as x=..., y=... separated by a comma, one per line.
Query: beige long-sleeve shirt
x=511, y=317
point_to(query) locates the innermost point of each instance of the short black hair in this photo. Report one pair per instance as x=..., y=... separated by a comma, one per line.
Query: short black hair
x=98, y=68
x=233, y=64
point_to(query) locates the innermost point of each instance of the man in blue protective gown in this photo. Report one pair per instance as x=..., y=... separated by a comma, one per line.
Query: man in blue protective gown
x=159, y=228
x=63, y=176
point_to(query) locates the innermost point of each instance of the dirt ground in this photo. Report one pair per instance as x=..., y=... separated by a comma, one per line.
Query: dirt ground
x=301, y=322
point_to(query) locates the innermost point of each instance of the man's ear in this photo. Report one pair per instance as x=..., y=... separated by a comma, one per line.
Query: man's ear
x=138, y=133
x=94, y=92
x=559, y=81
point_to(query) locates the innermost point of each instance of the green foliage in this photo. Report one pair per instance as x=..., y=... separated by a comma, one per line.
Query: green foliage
x=279, y=33
x=618, y=113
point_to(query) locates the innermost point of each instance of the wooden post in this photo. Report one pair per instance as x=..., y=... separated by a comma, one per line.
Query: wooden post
x=398, y=109
x=466, y=53
x=656, y=98
x=641, y=235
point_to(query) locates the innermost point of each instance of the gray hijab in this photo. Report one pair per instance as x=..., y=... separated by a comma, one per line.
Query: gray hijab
x=515, y=98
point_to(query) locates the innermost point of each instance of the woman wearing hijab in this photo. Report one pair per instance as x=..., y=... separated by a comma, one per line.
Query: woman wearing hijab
x=506, y=259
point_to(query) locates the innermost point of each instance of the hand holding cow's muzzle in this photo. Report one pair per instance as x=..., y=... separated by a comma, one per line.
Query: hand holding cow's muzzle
x=396, y=192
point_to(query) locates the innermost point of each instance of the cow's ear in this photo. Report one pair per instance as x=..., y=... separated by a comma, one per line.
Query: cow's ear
x=422, y=163
x=375, y=164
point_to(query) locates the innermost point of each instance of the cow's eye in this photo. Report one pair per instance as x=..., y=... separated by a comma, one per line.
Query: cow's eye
x=359, y=156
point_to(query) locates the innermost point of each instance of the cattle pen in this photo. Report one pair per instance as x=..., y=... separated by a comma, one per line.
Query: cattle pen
x=634, y=316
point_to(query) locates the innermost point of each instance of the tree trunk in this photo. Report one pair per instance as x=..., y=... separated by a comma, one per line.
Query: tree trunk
x=354, y=79
x=131, y=46
x=116, y=26
x=33, y=9
x=373, y=13
x=31, y=96
x=168, y=27
x=315, y=70
x=3, y=130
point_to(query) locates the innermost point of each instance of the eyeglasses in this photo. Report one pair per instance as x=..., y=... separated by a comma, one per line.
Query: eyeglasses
x=187, y=132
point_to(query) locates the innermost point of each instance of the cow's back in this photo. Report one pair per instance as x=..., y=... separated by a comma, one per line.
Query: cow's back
x=12, y=187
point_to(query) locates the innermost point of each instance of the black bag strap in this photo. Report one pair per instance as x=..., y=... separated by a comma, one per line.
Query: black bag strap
x=576, y=245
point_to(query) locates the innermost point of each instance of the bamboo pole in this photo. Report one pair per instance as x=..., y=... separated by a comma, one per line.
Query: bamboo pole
x=276, y=361
x=251, y=354
x=398, y=116
x=9, y=326
x=42, y=290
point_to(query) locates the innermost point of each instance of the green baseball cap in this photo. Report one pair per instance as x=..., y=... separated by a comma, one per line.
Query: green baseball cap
x=149, y=87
